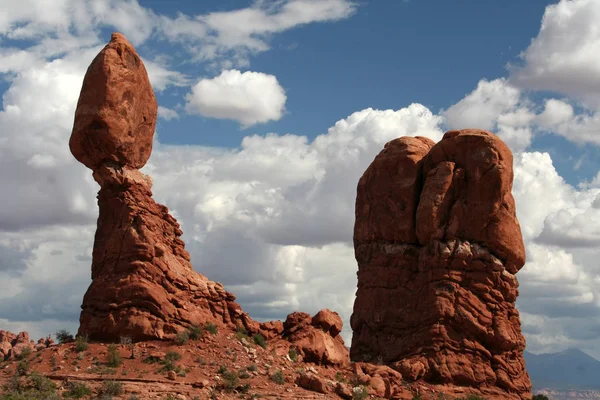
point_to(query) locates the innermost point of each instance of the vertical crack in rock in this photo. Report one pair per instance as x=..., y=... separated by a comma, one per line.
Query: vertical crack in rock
x=438, y=243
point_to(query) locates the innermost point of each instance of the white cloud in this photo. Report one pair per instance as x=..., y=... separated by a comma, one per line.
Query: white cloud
x=563, y=57
x=249, y=98
x=559, y=117
x=167, y=113
x=498, y=106
x=233, y=36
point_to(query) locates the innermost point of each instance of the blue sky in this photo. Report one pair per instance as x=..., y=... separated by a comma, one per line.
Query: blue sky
x=269, y=113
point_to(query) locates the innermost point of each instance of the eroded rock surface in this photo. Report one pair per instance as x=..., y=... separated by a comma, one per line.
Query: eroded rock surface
x=143, y=285
x=317, y=338
x=13, y=346
x=438, y=244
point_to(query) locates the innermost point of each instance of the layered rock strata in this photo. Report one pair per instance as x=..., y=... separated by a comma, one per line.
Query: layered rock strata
x=143, y=285
x=438, y=245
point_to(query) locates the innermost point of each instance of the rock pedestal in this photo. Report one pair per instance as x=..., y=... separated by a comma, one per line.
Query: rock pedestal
x=143, y=285
x=438, y=245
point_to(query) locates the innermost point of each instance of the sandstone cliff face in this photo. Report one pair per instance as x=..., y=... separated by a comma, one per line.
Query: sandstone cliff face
x=143, y=285
x=438, y=244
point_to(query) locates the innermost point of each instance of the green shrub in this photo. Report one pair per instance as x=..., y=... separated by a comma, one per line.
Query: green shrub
x=22, y=368
x=151, y=360
x=293, y=354
x=172, y=356
x=252, y=367
x=78, y=390
x=182, y=338
x=81, y=343
x=112, y=388
x=41, y=384
x=241, y=333
x=113, y=357
x=540, y=397
x=260, y=340
x=222, y=369
x=359, y=393
x=230, y=380
x=340, y=377
x=195, y=332
x=25, y=353
x=211, y=328
x=63, y=336
x=278, y=377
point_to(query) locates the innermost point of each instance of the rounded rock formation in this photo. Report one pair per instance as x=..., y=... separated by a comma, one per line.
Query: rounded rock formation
x=438, y=243
x=116, y=112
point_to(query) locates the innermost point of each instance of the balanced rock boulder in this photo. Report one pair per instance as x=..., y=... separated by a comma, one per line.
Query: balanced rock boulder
x=438, y=245
x=116, y=112
x=143, y=285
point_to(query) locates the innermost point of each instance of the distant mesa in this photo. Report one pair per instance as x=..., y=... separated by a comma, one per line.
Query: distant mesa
x=438, y=245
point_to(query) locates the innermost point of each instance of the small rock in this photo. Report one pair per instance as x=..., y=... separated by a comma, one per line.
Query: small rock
x=343, y=390
x=172, y=375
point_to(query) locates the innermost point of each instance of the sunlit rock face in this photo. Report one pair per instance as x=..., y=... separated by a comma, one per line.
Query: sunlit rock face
x=438, y=245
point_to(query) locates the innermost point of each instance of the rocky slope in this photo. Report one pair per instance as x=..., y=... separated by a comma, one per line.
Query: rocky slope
x=438, y=244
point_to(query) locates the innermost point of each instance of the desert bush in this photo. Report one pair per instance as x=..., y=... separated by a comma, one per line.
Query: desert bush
x=252, y=367
x=112, y=388
x=172, y=356
x=151, y=360
x=113, y=357
x=293, y=354
x=182, y=338
x=278, y=377
x=241, y=333
x=22, y=368
x=230, y=380
x=25, y=353
x=211, y=328
x=81, y=343
x=340, y=377
x=260, y=340
x=78, y=390
x=63, y=336
x=540, y=397
x=37, y=387
x=359, y=393
x=195, y=332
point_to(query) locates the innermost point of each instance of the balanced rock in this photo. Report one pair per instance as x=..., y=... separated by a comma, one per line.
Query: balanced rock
x=116, y=112
x=438, y=245
x=143, y=285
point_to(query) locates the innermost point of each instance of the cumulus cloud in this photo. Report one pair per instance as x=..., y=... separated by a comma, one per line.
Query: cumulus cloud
x=167, y=113
x=563, y=56
x=494, y=105
x=249, y=98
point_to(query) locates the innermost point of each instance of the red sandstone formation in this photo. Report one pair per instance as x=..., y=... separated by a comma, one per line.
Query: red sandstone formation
x=438, y=245
x=12, y=345
x=143, y=285
x=318, y=338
